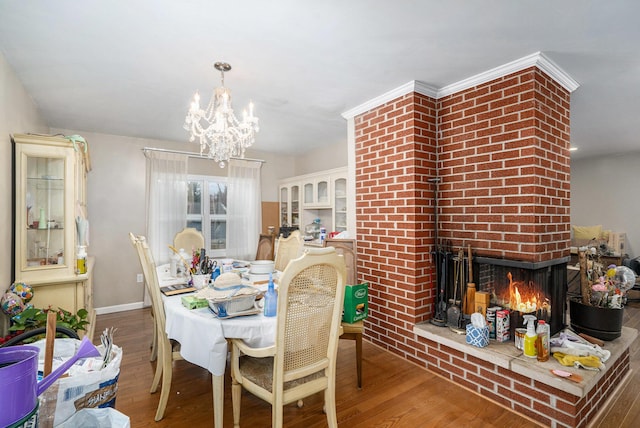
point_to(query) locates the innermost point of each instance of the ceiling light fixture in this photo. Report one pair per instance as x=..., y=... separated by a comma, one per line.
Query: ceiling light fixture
x=220, y=133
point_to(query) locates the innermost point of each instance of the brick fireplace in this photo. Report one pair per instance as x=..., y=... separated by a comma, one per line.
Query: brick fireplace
x=499, y=142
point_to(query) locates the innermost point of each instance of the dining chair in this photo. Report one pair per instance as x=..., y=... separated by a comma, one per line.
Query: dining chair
x=352, y=331
x=302, y=361
x=188, y=238
x=168, y=350
x=266, y=243
x=288, y=248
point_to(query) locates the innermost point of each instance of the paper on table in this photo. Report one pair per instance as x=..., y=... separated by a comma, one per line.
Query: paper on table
x=226, y=292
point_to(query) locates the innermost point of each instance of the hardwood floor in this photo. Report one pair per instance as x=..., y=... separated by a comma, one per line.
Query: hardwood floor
x=395, y=392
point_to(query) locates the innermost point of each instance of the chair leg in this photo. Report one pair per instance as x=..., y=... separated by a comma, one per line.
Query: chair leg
x=166, y=356
x=359, y=358
x=154, y=340
x=277, y=414
x=330, y=406
x=159, y=367
x=236, y=396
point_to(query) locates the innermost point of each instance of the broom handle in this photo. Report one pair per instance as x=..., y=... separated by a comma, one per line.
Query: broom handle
x=470, y=264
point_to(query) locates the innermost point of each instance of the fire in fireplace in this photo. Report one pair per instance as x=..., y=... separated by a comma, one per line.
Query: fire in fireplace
x=539, y=289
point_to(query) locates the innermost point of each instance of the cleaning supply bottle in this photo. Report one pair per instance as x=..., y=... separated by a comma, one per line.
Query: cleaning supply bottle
x=542, y=343
x=81, y=260
x=531, y=336
x=270, y=299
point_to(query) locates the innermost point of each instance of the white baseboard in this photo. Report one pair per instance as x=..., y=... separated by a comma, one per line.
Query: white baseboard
x=120, y=308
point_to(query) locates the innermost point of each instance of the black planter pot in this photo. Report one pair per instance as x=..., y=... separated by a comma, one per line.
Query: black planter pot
x=603, y=323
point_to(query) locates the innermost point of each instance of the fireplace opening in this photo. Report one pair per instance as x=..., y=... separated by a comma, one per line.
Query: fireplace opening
x=538, y=289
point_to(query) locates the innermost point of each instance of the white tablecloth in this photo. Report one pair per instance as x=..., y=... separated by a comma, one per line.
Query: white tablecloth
x=203, y=337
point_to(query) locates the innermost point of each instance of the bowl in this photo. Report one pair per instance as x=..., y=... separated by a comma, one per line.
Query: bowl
x=261, y=266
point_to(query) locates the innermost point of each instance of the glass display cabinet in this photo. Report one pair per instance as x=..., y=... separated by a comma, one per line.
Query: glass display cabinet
x=49, y=221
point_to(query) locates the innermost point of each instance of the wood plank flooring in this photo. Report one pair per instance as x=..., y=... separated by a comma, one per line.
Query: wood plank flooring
x=395, y=392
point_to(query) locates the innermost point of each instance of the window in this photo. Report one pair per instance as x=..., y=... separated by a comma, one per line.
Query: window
x=209, y=218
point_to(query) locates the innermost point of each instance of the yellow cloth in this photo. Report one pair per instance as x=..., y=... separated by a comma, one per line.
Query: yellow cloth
x=570, y=360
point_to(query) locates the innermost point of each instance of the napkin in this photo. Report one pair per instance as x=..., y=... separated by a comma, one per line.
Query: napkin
x=477, y=320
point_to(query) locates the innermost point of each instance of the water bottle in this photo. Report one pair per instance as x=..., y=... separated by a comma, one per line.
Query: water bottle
x=270, y=299
x=323, y=234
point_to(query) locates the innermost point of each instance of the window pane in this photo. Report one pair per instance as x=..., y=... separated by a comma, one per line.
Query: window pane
x=217, y=199
x=194, y=198
x=197, y=224
x=218, y=234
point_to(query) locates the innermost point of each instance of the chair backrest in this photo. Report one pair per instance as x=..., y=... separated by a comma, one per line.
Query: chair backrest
x=265, y=247
x=346, y=248
x=310, y=300
x=151, y=279
x=288, y=248
x=188, y=238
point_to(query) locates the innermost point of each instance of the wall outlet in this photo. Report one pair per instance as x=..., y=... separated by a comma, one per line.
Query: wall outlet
x=139, y=278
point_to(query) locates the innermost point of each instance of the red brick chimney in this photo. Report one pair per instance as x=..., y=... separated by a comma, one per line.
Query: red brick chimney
x=501, y=151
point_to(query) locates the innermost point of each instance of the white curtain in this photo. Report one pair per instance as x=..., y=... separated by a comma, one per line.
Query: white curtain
x=166, y=195
x=244, y=209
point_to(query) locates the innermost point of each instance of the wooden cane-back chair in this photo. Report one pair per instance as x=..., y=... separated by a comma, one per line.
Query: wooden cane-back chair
x=166, y=348
x=302, y=360
x=266, y=244
x=352, y=331
x=188, y=238
x=288, y=248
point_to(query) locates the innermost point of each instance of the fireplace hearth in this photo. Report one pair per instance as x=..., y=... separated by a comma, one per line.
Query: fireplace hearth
x=522, y=287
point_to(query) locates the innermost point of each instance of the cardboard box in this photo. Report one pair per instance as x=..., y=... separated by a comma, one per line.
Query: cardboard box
x=192, y=302
x=617, y=241
x=356, y=302
x=482, y=301
x=502, y=325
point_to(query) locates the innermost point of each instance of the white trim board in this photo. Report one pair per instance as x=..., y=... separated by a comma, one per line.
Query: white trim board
x=119, y=308
x=537, y=59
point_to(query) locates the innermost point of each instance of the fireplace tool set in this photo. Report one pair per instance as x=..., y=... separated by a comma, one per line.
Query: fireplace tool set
x=456, y=289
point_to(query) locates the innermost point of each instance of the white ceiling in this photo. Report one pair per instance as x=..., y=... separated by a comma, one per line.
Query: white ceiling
x=130, y=68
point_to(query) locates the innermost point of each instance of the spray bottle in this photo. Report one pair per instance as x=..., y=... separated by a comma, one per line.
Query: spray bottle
x=531, y=336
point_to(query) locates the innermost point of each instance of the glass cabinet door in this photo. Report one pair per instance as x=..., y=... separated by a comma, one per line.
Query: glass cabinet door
x=44, y=204
x=44, y=218
x=340, y=204
x=323, y=192
x=284, y=206
x=295, y=205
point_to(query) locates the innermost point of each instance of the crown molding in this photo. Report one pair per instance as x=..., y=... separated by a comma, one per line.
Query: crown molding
x=537, y=59
x=409, y=87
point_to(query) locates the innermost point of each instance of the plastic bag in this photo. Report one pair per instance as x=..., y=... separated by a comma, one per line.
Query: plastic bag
x=97, y=418
x=85, y=387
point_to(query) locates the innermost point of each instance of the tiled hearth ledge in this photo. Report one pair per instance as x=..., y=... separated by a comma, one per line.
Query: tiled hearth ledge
x=501, y=373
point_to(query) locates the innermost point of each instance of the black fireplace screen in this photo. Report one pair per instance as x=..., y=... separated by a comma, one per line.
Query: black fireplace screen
x=538, y=289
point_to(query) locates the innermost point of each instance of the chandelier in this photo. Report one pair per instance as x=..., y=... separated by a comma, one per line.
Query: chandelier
x=220, y=133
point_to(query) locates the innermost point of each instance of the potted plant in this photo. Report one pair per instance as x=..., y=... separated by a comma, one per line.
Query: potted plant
x=599, y=311
x=35, y=318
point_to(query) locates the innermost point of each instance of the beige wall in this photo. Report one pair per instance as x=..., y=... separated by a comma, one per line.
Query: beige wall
x=323, y=158
x=116, y=206
x=18, y=113
x=604, y=190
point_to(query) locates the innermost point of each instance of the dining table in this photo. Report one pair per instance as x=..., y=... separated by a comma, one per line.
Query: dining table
x=203, y=337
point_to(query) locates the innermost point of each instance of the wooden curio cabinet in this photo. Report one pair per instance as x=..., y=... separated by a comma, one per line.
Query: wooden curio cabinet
x=49, y=200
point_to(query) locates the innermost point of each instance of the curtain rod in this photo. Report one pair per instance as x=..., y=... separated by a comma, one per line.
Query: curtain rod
x=194, y=154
